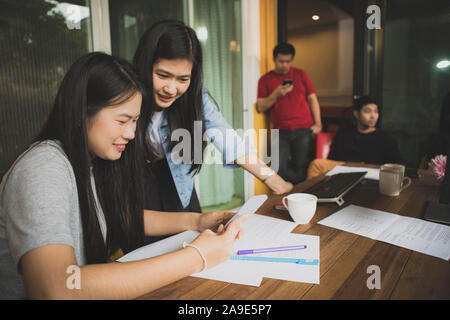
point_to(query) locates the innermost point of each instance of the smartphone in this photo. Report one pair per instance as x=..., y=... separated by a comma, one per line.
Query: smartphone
x=287, y=81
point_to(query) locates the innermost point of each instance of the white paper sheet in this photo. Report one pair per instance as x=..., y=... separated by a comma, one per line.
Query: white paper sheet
x=419, y=235
x=164, y=246
x=258, y=227
x=415, y=234
x=229, y=271
x=292, y=271
x=363, y=221
x=258, y=230
x=372, y=173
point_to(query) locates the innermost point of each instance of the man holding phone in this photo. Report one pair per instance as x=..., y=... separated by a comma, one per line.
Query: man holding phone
x=290, y=97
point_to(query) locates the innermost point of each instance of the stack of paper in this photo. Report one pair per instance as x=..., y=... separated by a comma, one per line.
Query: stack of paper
x=259, y=232
x=411, y=233
x=266, y=232
x=308, y=270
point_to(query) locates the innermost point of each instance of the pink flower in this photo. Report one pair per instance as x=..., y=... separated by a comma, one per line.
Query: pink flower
x=438, y=165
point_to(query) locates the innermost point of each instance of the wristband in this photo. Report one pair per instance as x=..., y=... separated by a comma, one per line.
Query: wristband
x=268, y=176
x=205, y=265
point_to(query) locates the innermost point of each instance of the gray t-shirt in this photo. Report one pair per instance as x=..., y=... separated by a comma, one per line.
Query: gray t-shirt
x=38, y=206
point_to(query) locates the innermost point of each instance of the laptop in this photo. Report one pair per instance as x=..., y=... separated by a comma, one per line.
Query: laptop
x=333, y=188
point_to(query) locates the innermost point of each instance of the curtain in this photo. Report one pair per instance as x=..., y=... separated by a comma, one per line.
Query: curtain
x=218, y=26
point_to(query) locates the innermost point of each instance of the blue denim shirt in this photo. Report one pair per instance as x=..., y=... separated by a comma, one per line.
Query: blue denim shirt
x=220, y=133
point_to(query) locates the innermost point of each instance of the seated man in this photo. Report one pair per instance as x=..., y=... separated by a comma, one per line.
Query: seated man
x=361, y=143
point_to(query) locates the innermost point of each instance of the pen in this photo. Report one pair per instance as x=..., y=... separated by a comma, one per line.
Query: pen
x=312, y=262
x=264, y=250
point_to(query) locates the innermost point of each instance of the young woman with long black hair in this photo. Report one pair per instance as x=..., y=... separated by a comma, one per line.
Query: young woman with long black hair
x=74, y=198
x=169, y=61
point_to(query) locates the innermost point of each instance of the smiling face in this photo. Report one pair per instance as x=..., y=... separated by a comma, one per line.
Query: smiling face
x=171, y=79
x=110, y=129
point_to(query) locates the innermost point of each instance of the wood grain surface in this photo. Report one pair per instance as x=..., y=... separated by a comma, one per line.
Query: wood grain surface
x=344, y=257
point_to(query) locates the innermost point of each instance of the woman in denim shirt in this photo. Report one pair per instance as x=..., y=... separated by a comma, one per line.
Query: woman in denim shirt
x=169, y=61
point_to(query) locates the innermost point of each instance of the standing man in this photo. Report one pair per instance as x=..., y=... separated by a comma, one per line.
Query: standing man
x=294, y=109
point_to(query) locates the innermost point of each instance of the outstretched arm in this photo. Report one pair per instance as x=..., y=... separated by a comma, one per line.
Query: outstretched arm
x=45, y=269
x=260, y=170
x=158, y=223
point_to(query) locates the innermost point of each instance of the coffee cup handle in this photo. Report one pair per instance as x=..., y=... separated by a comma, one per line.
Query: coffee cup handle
x=284, y=203
x=407, y=184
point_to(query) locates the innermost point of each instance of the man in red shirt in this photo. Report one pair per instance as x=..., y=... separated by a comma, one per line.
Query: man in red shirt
x=294, y=110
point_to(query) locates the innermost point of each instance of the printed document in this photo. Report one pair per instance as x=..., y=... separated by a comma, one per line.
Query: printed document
x=415, y=234
x=309, y=272
x=257, y=228
x=259, y=232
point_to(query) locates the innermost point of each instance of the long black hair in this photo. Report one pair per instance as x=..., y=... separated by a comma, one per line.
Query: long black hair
x=94, y=81
x=172, y=39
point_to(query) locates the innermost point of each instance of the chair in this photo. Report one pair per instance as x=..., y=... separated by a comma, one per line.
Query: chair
x=323, y=144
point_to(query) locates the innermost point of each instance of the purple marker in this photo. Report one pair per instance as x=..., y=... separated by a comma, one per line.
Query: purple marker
x=265, y=250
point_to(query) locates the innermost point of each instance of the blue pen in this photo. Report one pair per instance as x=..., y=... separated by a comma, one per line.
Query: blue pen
x=269, y=259
x=265, y=250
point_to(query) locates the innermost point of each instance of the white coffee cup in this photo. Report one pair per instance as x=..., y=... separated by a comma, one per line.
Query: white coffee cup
x=392, y=179
x=301, y=206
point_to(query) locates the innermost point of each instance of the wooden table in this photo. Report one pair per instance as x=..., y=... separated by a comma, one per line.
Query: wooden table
x=344, y=258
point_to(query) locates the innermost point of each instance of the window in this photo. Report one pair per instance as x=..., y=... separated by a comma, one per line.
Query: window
x=414, y=87
x=40, y=40
x=130, y=19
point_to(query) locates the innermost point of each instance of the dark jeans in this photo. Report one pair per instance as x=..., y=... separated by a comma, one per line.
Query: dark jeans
x=294, y=146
